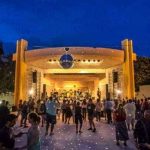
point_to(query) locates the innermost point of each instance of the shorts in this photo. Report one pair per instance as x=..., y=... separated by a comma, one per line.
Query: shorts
x=50, y=119
x=91, y=117
x=78, y=119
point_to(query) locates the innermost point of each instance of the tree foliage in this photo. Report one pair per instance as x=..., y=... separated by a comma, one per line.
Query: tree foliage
x=142, y=71
x=7, y=73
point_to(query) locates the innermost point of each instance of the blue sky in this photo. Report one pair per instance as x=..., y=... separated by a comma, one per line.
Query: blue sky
x=96, y=23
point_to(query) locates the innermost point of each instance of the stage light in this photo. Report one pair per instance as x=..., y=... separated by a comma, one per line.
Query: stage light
x=31, y=92
x=118, y=91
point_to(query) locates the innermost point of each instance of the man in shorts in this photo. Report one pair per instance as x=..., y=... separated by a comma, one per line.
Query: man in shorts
x=51, y=108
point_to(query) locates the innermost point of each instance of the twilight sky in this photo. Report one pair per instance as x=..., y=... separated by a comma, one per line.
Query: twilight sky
x=96, y=23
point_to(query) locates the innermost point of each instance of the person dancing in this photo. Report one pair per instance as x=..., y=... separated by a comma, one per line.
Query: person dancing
x=78, y=117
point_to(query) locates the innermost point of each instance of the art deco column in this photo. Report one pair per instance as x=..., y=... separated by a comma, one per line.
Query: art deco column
x=20, y=71
x=128, y=69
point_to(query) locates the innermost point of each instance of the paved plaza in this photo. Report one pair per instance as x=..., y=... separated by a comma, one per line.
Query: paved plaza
x=65, y=138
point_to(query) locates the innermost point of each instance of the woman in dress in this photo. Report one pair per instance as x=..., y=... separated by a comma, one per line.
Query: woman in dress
x=120, y=125
x=68, y=113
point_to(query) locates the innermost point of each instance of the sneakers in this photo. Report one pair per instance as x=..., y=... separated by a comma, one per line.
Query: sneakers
x=51, y=134
x=117, y=143
x=46, y=133
x=90, y=129
x=80, y=132
x=94, y=130
x=125, y=144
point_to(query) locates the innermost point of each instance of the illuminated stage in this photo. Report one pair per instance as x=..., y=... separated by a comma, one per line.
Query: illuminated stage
x=40, y=70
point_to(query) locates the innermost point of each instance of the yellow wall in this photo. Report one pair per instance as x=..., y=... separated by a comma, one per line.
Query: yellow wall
x=128, y=69
x=20, y=72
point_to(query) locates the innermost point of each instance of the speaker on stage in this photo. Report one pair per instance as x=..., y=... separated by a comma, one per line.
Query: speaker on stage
x=44, y=91
x=44, y=88
x=34, y=77
x=115, y=77
x=107, y=92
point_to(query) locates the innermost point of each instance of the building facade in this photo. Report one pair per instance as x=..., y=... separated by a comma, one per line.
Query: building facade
x=107, y=71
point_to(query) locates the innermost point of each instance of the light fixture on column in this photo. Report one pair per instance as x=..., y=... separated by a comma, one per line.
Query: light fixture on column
x=118, y=92
x=31, y=92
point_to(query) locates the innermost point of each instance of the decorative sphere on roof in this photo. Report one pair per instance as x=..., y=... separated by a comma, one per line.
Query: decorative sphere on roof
x=66, y=61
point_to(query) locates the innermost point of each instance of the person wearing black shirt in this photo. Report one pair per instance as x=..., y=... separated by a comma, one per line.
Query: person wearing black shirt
x=24, y=113
x=63, y=107
x=7, y=138
x=19, y=108
x=142, y=132
x=78, y=117
x=91, y=111
x=68, y=112
x=4, y=112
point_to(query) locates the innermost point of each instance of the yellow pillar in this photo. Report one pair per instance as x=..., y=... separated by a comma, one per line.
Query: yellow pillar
x=128, y=69
x=20, y=71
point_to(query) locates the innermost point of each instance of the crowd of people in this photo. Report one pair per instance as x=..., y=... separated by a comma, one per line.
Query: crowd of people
x=125, y=115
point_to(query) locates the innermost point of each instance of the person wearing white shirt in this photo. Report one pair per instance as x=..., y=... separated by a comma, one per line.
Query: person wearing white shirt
x=130, y=110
